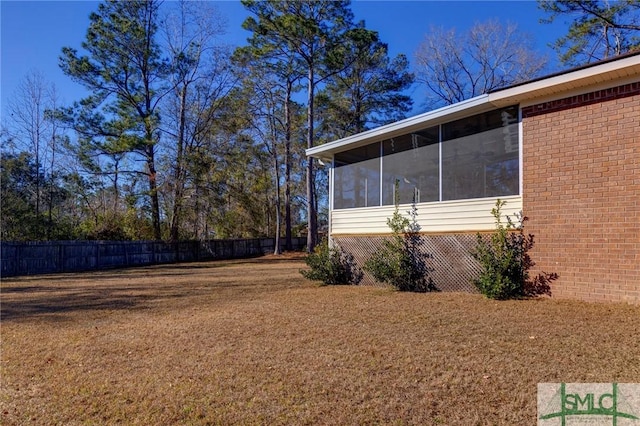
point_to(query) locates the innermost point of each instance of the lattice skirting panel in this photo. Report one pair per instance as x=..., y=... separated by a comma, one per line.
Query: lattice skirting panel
x=449, y=256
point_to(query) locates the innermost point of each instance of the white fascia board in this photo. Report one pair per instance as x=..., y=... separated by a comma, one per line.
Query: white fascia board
x=448, y=113
x=621, y=69
x=590, y=76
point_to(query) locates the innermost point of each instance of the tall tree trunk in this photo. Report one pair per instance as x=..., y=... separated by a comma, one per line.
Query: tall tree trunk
x=287, y=177
x=148, y=118
x=174, y=233
x=51, y=185
x=153, y=192
x=312, y=225
x=37, y=152
x=116, y=188
x=196, y=220
x=276, y=249
x=276, y=168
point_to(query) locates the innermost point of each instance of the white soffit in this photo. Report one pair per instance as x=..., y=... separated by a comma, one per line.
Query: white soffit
x=626, y=68
x=462, y=109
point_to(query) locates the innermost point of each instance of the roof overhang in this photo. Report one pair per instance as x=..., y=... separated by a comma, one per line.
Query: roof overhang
x=585, y=79
x=607, y=73
x=462, y=109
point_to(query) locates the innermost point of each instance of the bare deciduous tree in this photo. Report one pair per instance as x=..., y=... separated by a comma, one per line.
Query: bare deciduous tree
x=200, y=76
x=33, y=129
x=455, y=67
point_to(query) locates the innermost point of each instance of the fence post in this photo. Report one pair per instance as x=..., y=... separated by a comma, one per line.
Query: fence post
x=60, y=262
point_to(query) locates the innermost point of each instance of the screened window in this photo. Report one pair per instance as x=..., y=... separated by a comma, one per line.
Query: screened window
x=413, y=162
x=474, y=157
x=357, y=177
x=480, y=156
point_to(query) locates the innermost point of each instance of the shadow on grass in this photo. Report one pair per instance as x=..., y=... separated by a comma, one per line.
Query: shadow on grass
x=127, y=289
x=160, y=271
x=33, y=302
x=66, y=303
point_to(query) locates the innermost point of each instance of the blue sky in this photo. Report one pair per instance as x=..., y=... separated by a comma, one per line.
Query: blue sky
x=34, y=32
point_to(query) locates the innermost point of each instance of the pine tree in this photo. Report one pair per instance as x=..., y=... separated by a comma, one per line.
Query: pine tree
x=598, y=29
x=311, y=31
x=124, y=72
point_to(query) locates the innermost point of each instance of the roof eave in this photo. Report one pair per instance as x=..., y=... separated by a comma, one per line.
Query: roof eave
x=623, y=68
x=474, y=105
x=611, y=70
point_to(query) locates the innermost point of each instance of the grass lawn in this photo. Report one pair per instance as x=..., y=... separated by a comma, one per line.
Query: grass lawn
x=252, y=342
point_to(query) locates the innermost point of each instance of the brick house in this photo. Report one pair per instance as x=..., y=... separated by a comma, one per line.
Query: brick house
x=563, y=149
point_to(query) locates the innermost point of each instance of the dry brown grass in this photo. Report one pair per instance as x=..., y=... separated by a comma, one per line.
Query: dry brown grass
x=251, y=342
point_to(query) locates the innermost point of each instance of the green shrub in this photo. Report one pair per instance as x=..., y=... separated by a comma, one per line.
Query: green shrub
x=331, y=266
x=503, y=258
x=399, y=262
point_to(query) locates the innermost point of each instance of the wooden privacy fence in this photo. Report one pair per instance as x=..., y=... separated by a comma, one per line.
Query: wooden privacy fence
x=32, y=258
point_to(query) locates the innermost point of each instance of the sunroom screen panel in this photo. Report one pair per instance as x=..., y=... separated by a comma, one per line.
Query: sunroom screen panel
x=411, y=164
x=357, y=178
x=480, y=156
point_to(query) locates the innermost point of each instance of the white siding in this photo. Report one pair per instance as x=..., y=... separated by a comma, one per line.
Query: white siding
x=445, y=216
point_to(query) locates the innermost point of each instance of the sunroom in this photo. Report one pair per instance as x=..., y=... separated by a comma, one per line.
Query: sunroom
x=563, y=148
x=453, y=163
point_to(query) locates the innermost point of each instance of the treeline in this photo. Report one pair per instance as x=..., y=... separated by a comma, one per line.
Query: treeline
x=181, y=136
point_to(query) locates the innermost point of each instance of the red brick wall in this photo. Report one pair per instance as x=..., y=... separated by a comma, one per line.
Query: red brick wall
x=581, y=177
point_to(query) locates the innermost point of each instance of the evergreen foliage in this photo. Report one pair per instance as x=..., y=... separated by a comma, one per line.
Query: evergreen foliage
x=504, y=258
x=176, y=141
x=369, y=92
x=598, y=29
x=21, y=178
x=331, y=266
x=126, y=75
x=312, y=32
x=400, y=262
